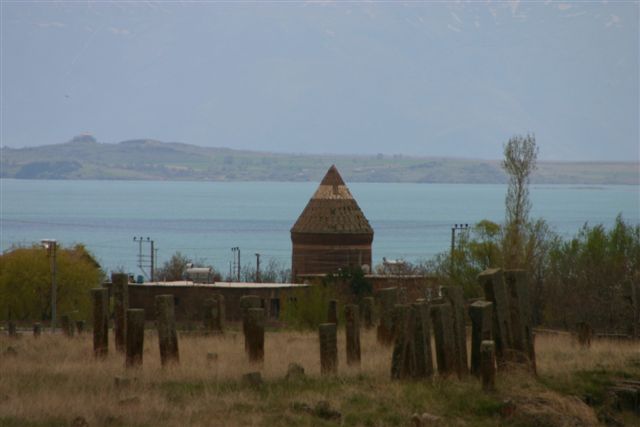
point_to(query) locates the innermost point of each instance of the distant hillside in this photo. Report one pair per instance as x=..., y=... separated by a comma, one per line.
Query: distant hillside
x=85, y=158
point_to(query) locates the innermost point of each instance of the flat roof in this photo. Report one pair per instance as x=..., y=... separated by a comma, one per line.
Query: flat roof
x=379, y=276
x=223, y=285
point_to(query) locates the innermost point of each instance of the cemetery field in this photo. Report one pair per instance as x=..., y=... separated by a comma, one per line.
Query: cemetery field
x=55, y=381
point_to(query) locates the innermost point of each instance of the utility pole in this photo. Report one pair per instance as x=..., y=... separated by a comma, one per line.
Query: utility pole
x=51, y=246
x=155, y=258
x=232, y=265
x=258, y=268
x=153, y=264
x=238, y=264
x=146, y=261
x=235, y=250
x=453, y=240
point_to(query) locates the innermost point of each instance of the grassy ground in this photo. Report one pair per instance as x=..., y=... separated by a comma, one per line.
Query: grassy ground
x=54, y=381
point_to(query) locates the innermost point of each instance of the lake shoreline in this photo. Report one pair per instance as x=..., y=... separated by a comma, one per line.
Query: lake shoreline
x=203, y=220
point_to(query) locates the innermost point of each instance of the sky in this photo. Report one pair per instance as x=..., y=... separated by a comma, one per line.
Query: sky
x=454, y=79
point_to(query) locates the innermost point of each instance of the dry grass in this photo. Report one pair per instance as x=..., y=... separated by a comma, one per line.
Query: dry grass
x=52, y=380
x=561, y=354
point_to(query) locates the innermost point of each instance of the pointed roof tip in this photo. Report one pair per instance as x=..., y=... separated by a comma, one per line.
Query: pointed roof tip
x=332, y=210
x=332, y=177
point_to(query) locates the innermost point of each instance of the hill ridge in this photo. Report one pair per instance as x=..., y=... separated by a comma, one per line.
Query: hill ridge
x=83, y=157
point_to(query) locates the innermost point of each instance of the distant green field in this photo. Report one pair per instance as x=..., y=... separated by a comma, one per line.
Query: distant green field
x=84, y=158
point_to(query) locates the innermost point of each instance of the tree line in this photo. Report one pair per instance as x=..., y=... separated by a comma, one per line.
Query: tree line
x=593, y=277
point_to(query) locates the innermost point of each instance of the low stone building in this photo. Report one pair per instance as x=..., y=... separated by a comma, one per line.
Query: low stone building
x=190, y=297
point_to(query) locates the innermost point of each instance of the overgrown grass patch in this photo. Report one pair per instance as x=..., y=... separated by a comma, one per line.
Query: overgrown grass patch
x=52, y=385
x=589, y=385
x=180, y=391
x=21, y=422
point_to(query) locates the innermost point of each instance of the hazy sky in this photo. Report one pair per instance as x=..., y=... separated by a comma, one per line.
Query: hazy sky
x=436, y=79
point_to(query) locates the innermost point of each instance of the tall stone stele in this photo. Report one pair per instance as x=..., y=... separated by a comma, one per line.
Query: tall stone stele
x=328, y=348
x=454, y=295
x=254, y=337
x=332, y=312
x=247, y=302
x=100, y=304
x=166, y=324
x=352, y=333
x=134, y=334
x=214, y=314
x=403, y=357
x=120, y=292
x=332, y=231
x=444, y=338
x=481, y=313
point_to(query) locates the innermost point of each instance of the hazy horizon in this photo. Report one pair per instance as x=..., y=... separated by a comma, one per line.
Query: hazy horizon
x=416, y=79
x=344, y=154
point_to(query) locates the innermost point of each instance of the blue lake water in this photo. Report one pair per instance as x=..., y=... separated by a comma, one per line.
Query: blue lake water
x=204, y=220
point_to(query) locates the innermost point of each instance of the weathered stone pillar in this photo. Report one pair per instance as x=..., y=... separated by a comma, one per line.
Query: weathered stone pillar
x=120, y=292
x=532, y=352
x=37, y=329
x=488, y=365
x=214, y=314
x=387, y=298
x=247, y=302
x=328, y=348
x=135, y=337
x=80, y=326
x=403, y=361
x=495, y=291
x=422, y=340
x=368, y=304
x=254, y=339
x=166, y=324
x=12, y=329
x=584, y=332
x=396, y=315
x=67, y=325
x=100, y=303
x=332, y=312
x=455, y=296
x=352, y=321
x=516, y=282
x=481, y=313
x=442, y=316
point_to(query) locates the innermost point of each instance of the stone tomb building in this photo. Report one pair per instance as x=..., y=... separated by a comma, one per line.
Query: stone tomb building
x=189, y=297
x=332, y=231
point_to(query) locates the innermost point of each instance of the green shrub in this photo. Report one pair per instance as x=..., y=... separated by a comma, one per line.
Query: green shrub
x=25, y=282
x=308, y=307
x=590, y=277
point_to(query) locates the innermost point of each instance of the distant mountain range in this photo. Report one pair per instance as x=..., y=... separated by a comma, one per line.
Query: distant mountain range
x=143, y=159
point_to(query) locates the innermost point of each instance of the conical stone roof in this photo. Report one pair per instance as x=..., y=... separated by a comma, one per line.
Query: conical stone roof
x=332, y=210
